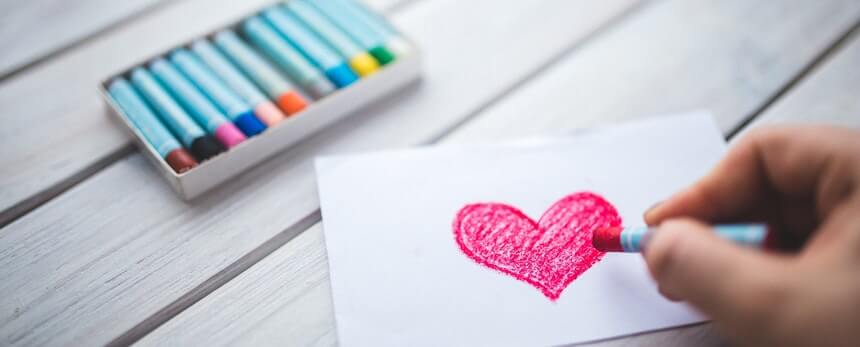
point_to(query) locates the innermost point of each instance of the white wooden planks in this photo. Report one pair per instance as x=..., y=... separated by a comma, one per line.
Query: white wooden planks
x=32, y=30
x=829, y=95
x=292, y=304
x=55, y=131
x=726, y=56
x=285, y=299
x=55, y=122
x=265, y=314
x=116, y=249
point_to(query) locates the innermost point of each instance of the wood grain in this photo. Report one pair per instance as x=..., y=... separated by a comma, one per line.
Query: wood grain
x=252, y=309
x=829, y=95
x=296, y=292
x=48, y=141
x=48, y=144
x=286, y=299
x=32, y=30
x=729, y=57
x=118, y=248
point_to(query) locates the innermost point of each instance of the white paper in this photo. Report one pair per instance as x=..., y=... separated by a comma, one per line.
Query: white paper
x=399, y=279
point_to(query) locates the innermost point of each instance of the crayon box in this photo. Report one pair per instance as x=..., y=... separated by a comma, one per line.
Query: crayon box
x=376, y=76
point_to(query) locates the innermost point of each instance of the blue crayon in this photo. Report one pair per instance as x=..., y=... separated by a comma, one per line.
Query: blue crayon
x=634, y=239
x=263, y=108
x=227, y=100
x=359, y=60
x=146, y=122
x=255, y=67
x=200, y=108
x=203, y=146
x=323, y=56
x=393, y=41
x=287, y=57
x=370, y=40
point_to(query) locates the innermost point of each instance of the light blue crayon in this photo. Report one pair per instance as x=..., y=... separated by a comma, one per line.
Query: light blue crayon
x=350, y=23
x=634, y=239
x=252, y=64
x=287, y=57
x=135, y=110
x=171, y=113
x=228, y=72
x=227, y=100
x=358, y=59
x=311, y=46
x=197, y=104
x=393, y=41
x=336, y=38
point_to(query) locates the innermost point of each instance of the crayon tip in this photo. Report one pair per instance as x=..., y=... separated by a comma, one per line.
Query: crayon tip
x=364, y=64
x=398, y=46
x=382, y=54
x=249, y=124
x=229, y=135
x=206, y=147
x=320, y=88
x=341, y=75
x=607, y=239
x=180, y=160
x=292, y=102
x=268, y=113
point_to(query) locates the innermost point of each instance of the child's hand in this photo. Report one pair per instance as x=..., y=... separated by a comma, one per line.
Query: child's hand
x=805, y=183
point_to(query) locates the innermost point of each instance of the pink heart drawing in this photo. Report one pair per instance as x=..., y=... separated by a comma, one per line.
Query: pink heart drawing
x=548, y=254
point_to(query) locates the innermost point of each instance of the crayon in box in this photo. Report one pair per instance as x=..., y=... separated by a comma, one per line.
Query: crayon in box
x=318, y=115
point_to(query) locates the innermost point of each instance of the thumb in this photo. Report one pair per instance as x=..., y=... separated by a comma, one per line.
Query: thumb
x=726, y=282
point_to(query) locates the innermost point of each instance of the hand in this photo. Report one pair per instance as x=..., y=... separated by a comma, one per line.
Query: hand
x=805, y=183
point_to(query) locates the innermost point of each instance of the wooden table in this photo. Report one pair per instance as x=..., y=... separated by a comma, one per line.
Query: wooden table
x=96, y=249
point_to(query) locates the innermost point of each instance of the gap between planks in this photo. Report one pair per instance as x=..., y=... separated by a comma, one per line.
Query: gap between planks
x=38, y=198
x=75, y=42
x=266, y=248
x=73, y=308
x=808, y=70
x=811, y=68
x=213, y=283
x=314, y=217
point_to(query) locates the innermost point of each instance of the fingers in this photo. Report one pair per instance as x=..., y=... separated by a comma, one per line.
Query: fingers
x=728, y=283
x=838, y=237
x=735, y=184
x=770, y=164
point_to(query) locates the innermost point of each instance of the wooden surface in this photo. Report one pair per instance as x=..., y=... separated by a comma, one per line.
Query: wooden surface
x=149, y=247
x=98, y=249
x=828, y=95
x=32, y=30
x=62, y=142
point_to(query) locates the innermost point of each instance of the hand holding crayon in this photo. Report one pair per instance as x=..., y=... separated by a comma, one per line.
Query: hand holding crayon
x=803, y=182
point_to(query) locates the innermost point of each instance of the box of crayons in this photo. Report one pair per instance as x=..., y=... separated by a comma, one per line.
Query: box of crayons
x=213, y=107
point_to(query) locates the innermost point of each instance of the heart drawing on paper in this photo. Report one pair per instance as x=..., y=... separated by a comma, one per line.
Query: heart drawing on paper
x=548, y=254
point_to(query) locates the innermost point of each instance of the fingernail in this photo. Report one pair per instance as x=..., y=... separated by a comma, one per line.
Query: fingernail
x=650, y=209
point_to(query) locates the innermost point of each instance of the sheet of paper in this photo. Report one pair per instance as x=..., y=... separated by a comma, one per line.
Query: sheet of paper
x=404, y=273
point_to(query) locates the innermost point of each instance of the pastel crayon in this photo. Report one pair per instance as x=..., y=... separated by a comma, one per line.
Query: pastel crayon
x=288, y=58
x=361, y=32
x=254, y=66
x=315, y=50
x=359, y=60
x=197, y=104
x=236, y=109
x=263, y=108
x=144, y=120
x=203, y=146
x=393, y=41
x=634, y=239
